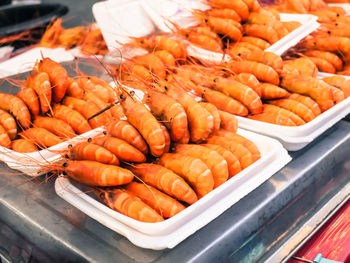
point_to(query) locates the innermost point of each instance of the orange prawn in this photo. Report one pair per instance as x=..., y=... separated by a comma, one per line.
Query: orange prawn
x=30, y=98
x=162, y=203
x=95, y=173
x=323, y=65
x=257, y=41
x=123, y=150
x=40, y=137
x=168, y=110
x=225, y=27
x=228, y=121
x=215, y=162
x=269, y=108
x=242, y=140
x=166, y=57
x=128, y=204
x=200, y=121
x=340, y=83
x=40, y=83
x=296, y=107
x=56, y=126
x=303, y=66
x=143, y=120
x=239, y=91
x=244, y=156
x=339, y=45
x=87, y=110
x=195, y=171
x=261, y=71
x=338, y=94
x=233, y=164
x=273, y=117
x=167, y=138
x=72, y=117
x=329, y=56
x=124, y=130
x=226, y=13
x=249, y=80
x=5, y=140
x=220, y=100
x=23, y=146
x=308, y=102
x=58, y=77
x=8, y=123
x=17, y=107
x=315, y=88
x=239, y=6
x=160, y=42
x=265, y=32
x=262, y=19
x=165, y=180
x=214, y=112
x=269, y=91
x=92, y=152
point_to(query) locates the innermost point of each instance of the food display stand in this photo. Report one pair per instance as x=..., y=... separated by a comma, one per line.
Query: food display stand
x=267, y=225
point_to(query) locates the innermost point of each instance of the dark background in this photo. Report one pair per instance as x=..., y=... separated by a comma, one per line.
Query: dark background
x=80, y=11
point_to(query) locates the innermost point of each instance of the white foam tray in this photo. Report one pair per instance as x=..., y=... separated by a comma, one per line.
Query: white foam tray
x=32, y=163
x=169, y=233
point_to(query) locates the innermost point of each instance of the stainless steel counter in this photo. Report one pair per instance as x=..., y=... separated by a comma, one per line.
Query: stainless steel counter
x=34, y=221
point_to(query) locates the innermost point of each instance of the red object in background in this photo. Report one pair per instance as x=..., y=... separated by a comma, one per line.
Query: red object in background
x=332, y=240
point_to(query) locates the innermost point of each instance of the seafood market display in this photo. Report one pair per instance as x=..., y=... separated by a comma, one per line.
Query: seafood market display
x=169, y=120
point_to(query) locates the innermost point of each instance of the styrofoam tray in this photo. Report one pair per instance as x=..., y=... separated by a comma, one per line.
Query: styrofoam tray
x=295, y=138
x=171, y=232
x=32, y=163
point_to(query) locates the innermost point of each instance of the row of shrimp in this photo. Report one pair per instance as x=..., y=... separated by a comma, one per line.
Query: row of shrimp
x=222, y=26
x=328, y=46
x=166, y=120
x=315, y=7
x=52, y=107
x=257, y=84
x=226, y=25
x=89, y=39
x=160, y=188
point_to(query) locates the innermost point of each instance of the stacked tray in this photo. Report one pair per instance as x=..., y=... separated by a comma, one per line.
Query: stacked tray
x=172, y=231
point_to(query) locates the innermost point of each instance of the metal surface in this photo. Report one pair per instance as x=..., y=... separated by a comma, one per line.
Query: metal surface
x=250, y=231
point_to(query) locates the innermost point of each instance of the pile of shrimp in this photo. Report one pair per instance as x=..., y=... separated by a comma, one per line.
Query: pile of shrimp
x=315, y=7
x=52, y=107
x=157, y=156
x=328, y=46
x=228, y=25
x=133, y=183
x=254, y=83
x=89, y=39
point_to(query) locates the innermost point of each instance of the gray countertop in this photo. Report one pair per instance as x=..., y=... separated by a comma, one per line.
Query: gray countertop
x=251, y=230
x=37, y=226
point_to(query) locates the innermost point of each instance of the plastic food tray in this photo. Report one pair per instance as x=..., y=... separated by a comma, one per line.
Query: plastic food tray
x=169, y=233
x=32, y=163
